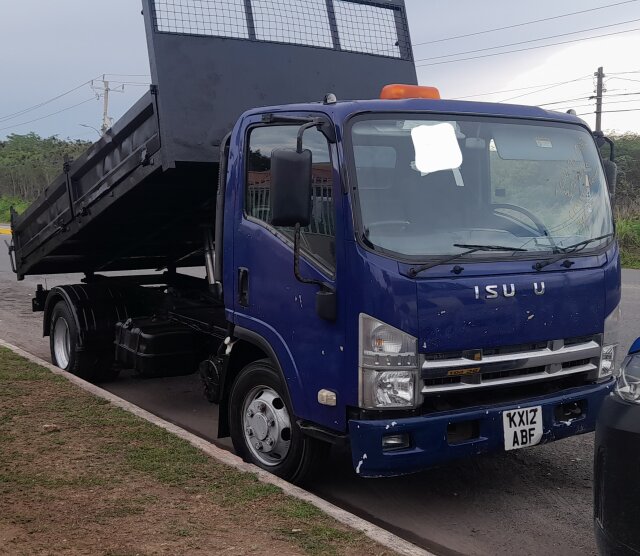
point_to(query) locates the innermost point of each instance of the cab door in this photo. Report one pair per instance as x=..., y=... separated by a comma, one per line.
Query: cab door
x=268, y=299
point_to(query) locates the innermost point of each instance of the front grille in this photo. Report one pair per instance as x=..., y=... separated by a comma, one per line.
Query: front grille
x=503, y=366
x=441, y=381
x=505, y=350
x=489, y=397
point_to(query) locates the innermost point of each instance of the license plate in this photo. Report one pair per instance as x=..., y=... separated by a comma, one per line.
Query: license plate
x=522, y=427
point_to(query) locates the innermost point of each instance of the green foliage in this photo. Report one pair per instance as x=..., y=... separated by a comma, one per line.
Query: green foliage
x=629, y=237
x=627, y=202
x=627, y=199
x=28, y=163
x=6, y=203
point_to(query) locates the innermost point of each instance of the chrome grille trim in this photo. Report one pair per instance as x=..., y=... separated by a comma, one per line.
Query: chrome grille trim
x=555, y=361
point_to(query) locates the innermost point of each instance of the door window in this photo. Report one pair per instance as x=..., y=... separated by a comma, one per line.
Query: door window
x=317, y=239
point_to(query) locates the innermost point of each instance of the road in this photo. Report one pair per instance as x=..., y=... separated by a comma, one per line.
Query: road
x=535, y=501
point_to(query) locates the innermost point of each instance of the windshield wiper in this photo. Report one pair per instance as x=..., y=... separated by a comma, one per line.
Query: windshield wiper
x=564, y=251
x=413, y=272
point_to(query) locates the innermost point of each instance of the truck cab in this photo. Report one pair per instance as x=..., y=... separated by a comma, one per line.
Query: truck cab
x=469, y=250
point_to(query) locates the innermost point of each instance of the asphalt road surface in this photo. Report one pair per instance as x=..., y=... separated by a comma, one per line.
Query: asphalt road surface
x=534, y=501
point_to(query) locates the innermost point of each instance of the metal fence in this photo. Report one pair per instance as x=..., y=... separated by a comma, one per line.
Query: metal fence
x=323, y=213
x=364, y=26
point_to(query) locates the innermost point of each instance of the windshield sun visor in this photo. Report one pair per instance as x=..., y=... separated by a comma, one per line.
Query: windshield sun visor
x=536, y=143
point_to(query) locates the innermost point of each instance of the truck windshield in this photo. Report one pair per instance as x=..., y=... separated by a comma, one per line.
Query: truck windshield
x=425, y=185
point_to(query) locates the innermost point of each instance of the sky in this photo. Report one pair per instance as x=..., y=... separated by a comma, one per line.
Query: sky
x=48, y=48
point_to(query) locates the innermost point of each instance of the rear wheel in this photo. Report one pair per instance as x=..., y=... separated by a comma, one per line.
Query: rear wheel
x=94, y=366
x=263, y=427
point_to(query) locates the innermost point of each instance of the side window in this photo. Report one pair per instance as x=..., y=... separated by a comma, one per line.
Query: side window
x=318, y=239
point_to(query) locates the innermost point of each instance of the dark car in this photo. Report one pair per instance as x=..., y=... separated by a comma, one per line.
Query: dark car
x=617, y=463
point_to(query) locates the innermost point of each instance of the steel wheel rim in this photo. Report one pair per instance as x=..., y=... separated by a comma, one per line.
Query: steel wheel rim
x=61, y=343
x=266, y=425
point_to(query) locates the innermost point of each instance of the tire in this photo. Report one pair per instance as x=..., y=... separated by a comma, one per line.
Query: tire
x=264, y=430
x=63, y=342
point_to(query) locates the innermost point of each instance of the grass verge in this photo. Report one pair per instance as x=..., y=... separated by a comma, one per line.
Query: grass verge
x=79, y=476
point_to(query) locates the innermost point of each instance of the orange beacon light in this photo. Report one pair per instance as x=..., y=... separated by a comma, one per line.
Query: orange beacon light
x=397, y=92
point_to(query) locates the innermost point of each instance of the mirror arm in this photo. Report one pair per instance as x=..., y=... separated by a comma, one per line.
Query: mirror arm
x=601, y=139
x=612, y=152
x=324, y=124
x=315, y=123
x=296, y=264
x=326, y=304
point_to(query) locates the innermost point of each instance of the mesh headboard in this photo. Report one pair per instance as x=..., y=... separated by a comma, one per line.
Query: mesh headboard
x=213, y=59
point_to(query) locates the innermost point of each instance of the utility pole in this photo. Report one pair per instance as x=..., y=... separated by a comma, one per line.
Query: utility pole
x=599, y=91
x=106, y=122
x=103, y=91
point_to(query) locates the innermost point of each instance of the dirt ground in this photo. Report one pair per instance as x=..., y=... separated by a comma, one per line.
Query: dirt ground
x=78, y=476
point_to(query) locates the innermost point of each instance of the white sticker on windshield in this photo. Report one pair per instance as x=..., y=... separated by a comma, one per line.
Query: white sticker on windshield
x=436, y=148
x=544, y=143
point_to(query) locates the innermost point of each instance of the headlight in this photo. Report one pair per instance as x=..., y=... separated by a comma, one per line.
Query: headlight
x=610, y=343
x=628, y=387
x=388, y=366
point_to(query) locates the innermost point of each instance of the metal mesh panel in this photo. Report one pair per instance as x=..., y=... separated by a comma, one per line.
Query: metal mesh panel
x=292, y=21
x=212, y=18
x=348, y=25
x=369, y=29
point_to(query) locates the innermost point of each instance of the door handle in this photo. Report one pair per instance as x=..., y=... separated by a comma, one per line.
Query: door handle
x=243, y=287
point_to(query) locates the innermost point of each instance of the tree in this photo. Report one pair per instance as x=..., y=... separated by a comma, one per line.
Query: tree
x=28, y=163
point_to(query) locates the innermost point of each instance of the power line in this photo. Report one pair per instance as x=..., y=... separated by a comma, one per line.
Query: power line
x=625, y=79
x=564, y=101
x=568, y=106
x=130, y=83
x=528, y=41
x=623, y=94
x=43, y=103
x=128, y=74
x=557, y=84
x=61, y=95
x=49, y=115
x=545, y=88
x=524, y=23
x=622, y=101
x=610, y=111
x=528, y=48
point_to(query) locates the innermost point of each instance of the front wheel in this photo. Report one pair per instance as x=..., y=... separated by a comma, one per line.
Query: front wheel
x=263, y=429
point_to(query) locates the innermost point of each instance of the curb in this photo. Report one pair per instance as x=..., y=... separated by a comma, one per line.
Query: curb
x=5, y=231
x=375, y=533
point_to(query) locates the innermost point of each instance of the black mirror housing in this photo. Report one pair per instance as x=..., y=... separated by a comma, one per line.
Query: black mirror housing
x=290, y=194
x=611, y=172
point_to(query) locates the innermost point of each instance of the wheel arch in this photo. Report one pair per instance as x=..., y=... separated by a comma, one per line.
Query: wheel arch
x=95, y=308
x=57, y=294
x=248, y=347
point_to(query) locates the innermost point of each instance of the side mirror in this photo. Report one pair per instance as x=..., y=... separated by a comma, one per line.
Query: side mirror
x=291, y=187
x=611, y=172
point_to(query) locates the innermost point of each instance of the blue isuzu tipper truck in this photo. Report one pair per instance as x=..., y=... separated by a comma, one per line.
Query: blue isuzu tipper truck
x=423, y=279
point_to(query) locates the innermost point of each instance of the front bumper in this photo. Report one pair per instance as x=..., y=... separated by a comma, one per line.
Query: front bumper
x=616, y=485
x=429, y=439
